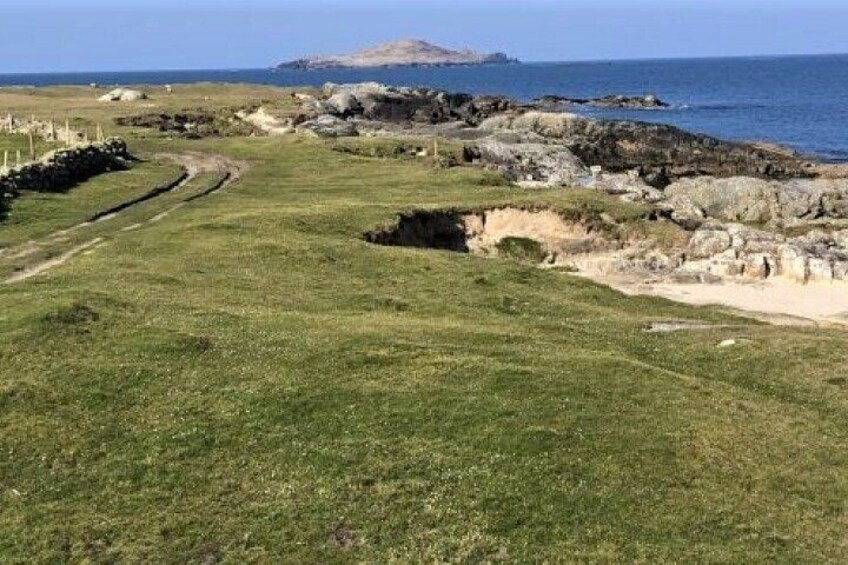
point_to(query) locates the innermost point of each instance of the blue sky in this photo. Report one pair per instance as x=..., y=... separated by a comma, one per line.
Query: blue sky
x=95, y=35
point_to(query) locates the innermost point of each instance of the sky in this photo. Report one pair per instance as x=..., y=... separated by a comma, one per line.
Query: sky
x=104, y=35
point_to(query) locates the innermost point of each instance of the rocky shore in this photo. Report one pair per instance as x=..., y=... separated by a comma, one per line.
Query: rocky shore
x=745, y=211
x=646, y=102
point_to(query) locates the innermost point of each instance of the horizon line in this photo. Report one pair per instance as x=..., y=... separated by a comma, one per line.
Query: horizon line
x=520, y=62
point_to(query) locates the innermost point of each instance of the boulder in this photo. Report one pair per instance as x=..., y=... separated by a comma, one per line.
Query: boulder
x=793, y=263
x=820, y=269
x=758, y=265
x=734, y=199
x=551, y=165
x=123, y=95
x=328, y=126
x=709, y=241
x=344, y=104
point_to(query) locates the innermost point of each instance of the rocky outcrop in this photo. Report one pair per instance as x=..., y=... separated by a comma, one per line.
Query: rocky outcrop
x=190, y=124
x=328, y=126
x=715, y=252
x=403, y=53
x=62, y=169
x=646, y=102
x=377, y=102
x=660, y=152
x=735, y=250
x=123, y=95
x=530, y=163
x=751, y=200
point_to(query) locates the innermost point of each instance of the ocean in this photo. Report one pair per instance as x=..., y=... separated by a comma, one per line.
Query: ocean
x=798, y=101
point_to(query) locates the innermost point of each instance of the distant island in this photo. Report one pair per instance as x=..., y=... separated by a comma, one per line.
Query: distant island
x=403, y=53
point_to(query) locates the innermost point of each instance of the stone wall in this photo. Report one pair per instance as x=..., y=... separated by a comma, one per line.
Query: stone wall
x=61, y=169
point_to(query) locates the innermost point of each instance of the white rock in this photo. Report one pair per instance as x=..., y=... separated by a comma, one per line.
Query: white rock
x=123, y=95
x=758, y=265
x=727, y=343
x=793, y=263
x=820, y=269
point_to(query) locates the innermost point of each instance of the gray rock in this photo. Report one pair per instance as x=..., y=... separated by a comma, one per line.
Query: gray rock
x=659, y=151
x=551, y=165
x=735, y=199
x=328, y=126
x=404, y=105
x=344, y=104
x=707, y=242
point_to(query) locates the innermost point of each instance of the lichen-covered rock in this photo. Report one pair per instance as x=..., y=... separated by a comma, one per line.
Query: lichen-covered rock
x=328, y=126
x=653, y=148
x=708, y=242
x=735, y=199
x=551, y=165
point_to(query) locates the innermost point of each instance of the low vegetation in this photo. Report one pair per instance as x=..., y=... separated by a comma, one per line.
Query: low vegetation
x=14, y=143
x=248, y=380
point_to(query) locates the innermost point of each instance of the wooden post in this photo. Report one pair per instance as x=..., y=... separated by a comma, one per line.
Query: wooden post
x=31, y=146
x=17, y=158
x=85, y=136
x=99, y=134
x=67, y=133
x=11, y=123
x=5, y=162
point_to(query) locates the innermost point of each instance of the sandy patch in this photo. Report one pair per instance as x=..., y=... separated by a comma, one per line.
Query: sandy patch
x=777, y=301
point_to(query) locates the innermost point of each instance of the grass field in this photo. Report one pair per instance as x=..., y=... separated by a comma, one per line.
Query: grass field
x=247, y=380
x=12, y=143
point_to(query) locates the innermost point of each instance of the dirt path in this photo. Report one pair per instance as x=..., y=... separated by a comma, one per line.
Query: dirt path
x=39, y=268
x=192, y=165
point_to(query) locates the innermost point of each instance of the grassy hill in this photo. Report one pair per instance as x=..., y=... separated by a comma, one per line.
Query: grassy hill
x=247, y=380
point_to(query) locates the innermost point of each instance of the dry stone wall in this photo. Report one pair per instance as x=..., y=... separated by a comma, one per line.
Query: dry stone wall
x=61, y=169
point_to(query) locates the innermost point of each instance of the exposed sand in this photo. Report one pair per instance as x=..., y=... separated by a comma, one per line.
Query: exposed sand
x=775, y=300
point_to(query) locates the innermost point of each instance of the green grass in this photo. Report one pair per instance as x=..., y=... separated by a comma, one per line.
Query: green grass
x=12, y=143
x=521, y=249
x=37, y=214
x=248, y=381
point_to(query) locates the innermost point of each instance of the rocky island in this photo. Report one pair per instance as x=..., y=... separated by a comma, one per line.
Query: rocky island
x=403, y=53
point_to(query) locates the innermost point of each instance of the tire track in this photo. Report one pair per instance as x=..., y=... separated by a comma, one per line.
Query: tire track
x=192, y=165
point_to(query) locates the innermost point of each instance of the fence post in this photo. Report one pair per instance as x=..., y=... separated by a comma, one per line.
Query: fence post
x=31, y=146
x=67, y=133
x=17, y=158
x=5, y=161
